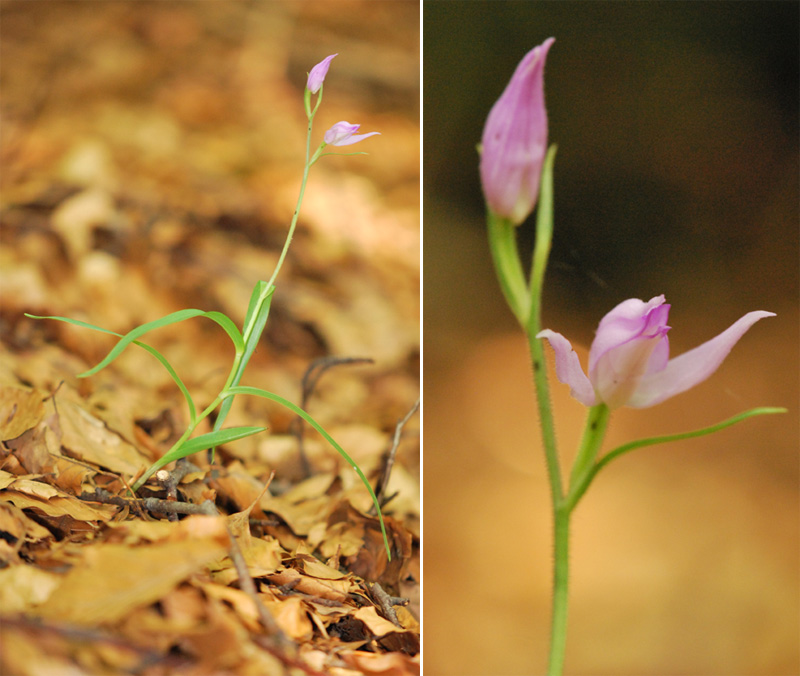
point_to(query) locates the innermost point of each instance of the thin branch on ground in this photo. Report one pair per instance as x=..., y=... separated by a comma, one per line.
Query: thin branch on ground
x=311, y=377
x=171, y=480
x=158, y=505
x=383, y=482
x=386, y=602
x=247, y=585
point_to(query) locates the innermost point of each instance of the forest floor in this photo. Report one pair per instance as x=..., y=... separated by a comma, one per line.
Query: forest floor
x=151, y=162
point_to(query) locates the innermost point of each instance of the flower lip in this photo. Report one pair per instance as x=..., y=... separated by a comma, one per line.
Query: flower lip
x=629, y=362
x=318, y=73
x=514, y=140
x=631, y=341
x=344, y=134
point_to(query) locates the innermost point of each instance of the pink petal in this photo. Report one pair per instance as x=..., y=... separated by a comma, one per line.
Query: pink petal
x=568, y=368
x=514, y=140
x=627, y=322
x=317, y=75
x=692, y=367
x=344, y=134
x=340, y=131
x=355, y=139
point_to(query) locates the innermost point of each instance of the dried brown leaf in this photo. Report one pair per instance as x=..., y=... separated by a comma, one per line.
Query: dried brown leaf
x=24, y=587
x=386, y=664
x=87, y=438
x=112, y=580
x=30, y=494
x=21, y=409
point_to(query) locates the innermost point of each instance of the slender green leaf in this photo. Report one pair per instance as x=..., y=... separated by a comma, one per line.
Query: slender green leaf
x=175, y=377
x=230, y=328
x=184, y=390
x=254, y=322
x=139, y=331
x=258, y=392
x=181, y=450
x=579, y=490
x=215, y=438
x=261, y=311
x=76, y=322
x=172, y=318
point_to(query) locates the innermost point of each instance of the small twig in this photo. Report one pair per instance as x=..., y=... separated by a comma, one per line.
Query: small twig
x=386, y=602
x=289, y=586
x=383, y=482
x=170, y=480
x=264, y=523
x=102, y=496
x=310, y=379
x=247, y=585
x=172, y=507
x=158, y=505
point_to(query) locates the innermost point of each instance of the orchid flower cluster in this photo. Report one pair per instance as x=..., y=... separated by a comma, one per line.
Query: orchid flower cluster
x=245, y=341
x=629, y=359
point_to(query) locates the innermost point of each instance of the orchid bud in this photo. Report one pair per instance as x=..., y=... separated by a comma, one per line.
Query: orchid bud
x=629, y=362
x=318, y=73
x=344, y=134
x=514, y=141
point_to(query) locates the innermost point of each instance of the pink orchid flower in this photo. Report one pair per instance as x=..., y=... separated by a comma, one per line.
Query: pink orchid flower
x=514, y=141
x=629, y=362
x=318, y=73
x=344, y=134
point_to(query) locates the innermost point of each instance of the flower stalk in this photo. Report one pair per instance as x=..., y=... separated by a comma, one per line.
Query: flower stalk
x=629, y=362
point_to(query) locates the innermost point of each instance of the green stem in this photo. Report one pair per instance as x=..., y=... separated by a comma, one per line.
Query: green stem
x=255, y=320
x=164, y=459
x=507, y=265
x=558, y=635
x=533, y=325
x=296, y=213
x=546, y=423
x=593, y=433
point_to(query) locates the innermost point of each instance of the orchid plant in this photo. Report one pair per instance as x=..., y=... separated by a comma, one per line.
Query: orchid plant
x=629, y=361
x=244, y=341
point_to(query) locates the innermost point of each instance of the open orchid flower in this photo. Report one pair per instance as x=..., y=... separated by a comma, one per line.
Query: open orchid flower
x=629, y=362
x=344, y=134
x=317, y=75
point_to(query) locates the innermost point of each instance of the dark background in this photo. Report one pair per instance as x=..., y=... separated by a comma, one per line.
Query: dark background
x=677, y=173
x=677, y=128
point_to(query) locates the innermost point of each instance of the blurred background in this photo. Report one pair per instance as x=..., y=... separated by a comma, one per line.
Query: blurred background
x=676, y=173
x=152, y=156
